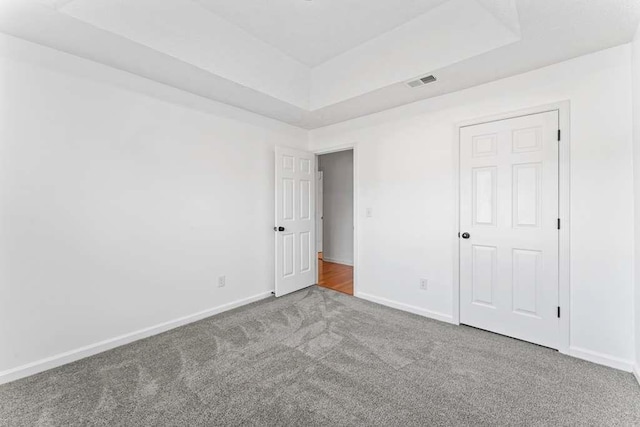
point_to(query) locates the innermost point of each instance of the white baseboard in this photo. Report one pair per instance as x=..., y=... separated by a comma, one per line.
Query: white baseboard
x=337, y=261
x=89, y=350
x=601, y=359
x=406, y=307
x=580, y=353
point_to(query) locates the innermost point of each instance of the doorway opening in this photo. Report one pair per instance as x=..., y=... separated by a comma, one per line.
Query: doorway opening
x=335, y=220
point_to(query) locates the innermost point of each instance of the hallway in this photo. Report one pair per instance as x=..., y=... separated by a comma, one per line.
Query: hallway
x=338, y=277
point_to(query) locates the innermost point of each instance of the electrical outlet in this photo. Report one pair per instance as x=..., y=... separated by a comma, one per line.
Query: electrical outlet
x=222, y=280
x=423, y=284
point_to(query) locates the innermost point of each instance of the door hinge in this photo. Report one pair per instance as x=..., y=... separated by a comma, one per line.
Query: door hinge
x=559, y=134
x=558, y=223
x=558, y=312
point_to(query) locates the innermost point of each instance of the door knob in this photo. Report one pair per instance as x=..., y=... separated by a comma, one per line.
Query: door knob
x=278, y=228
x=466, y=235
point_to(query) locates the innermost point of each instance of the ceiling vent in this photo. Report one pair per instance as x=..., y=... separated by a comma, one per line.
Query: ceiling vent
x=421, y=81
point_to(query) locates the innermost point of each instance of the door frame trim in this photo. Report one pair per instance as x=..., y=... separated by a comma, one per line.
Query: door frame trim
x=347, y=147
x=564, y=206
x=319, y=177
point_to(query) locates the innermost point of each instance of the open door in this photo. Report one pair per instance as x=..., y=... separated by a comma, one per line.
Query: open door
x=295, y=220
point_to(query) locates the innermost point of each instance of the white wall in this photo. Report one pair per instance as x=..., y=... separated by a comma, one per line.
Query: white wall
x=337, y=244
x=405, y=169
x=119, y=210
x=636, y=161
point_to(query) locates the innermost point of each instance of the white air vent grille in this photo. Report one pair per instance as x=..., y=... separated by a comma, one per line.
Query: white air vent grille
x=421, y=81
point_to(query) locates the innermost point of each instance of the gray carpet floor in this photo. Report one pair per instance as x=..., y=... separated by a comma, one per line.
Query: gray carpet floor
x=318, y=357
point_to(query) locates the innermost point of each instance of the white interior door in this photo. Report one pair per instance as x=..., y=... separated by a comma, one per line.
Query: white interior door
x=319, y=211
x=295, y=220
x=509, y=227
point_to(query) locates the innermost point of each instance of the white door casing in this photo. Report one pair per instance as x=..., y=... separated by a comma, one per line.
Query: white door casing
x=509, y=207
x=295, y=255
x=319, y=211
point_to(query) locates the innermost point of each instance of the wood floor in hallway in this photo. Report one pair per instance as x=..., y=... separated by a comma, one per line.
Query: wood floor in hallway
x=338, y=277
